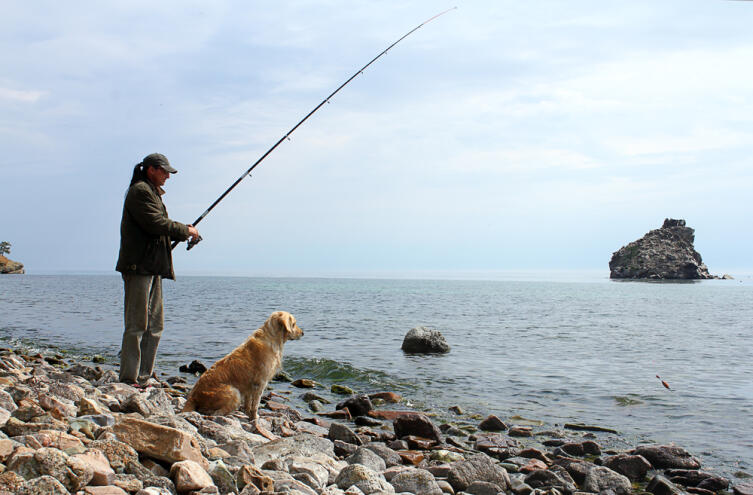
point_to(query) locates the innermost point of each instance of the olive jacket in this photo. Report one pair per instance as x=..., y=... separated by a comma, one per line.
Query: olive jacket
x=146, y=233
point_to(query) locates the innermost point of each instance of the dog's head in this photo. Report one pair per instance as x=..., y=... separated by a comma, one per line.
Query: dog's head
x=285, y=323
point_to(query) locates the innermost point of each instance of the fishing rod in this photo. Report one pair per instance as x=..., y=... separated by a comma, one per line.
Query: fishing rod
x=192, y=243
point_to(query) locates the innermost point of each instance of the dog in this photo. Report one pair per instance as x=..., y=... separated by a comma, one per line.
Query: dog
x=239, y=379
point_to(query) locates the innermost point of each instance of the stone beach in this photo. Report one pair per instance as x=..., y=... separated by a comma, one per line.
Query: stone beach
x=69, y=427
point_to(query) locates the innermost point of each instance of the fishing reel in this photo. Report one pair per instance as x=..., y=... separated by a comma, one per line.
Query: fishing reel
x=192, y=242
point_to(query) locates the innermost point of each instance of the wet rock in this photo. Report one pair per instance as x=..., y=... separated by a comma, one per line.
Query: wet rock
x=600, y=478
x=157, y=441
x=189, y=475
x=659, y=485
x=358, y=405
x=497, y=445
x=417, y=481
x=545, y=479
x=492, y=423
x=479, y=467
x=390, y=397
x=634, y=467
x=195, y=367
x=304, y=383
x=667, y=456
x=363, y=478
x=411, y=457
x=368, y=458
x=744, y=488
x=366, y=421
x=417, y=425
x=425, y=340
x=520, y=431
x=341, y=390
x=576, y=468
x=341, y=432
x=483, y=488
x=697, y=478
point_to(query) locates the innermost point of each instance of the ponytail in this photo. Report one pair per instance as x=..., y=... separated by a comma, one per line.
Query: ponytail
x=139, y=173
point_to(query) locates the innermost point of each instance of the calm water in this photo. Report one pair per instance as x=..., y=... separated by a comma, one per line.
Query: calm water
x=580, y=350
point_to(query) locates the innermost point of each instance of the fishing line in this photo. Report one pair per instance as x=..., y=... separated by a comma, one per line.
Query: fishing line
x=192, y=243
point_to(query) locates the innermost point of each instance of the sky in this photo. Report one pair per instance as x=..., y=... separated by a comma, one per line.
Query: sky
x=500, y=136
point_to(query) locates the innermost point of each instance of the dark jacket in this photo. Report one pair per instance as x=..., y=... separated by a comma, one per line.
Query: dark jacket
x=146, y=233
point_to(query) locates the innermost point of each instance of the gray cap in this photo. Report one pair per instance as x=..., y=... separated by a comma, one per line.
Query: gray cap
x=158, y=160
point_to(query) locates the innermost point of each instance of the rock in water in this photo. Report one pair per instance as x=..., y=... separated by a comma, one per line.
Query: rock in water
x=425, y=340
x=662, y=254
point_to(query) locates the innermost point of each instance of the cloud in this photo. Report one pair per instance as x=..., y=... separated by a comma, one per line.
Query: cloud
x=22, y=96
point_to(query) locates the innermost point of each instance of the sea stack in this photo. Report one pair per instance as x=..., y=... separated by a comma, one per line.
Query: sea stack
x=662, y=254
x=10, y=266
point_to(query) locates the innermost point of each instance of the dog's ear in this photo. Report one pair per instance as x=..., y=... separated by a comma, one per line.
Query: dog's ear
x=284, y=321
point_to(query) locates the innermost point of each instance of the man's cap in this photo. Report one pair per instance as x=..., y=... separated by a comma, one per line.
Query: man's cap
x=158, y=160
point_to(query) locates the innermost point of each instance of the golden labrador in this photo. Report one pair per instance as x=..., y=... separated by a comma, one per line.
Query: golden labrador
x=239, y=379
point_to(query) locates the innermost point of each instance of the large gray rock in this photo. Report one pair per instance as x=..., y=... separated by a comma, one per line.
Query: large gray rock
x=479, y=467
x=601, y=478
x=390, y=457
x=299, y=445
x=664, y=254
x=368, y=458
x=365, y=479
x=634, y=467
x=425, y=340
x=667, y=457
x=545, y=479
x=44, y=485
x=418, y=481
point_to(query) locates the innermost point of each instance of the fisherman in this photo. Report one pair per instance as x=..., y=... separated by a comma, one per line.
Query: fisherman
x=145, y=258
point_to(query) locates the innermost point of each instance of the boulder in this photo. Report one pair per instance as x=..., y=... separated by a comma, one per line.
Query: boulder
x=634, y=467
x=418, y=425
x=417, y=481
x=341, y=432
x=667, y=457
x=368, y=458
x=546, y=479
x=304, y=445
x=189, y=475
x=666, y=253
x=388, y=455
x=479, y=467
x=659, y=485
x=157, y=441
x=601, y=478
x=95, y=460
x=366, y=480
x=358, y=405
x=424, y=340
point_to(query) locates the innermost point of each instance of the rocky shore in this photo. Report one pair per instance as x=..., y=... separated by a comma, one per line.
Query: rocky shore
x=71, y=428
x=10, y=267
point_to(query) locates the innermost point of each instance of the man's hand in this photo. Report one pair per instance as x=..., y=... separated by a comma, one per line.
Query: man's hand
x=193, y=233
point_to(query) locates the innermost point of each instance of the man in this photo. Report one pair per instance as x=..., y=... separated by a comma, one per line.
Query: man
x=145, y=258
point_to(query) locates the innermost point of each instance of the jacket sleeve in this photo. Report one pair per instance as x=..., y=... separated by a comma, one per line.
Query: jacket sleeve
x=147, y=211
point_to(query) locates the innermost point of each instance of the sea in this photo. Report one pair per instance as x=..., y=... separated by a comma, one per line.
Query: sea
x=532, y=349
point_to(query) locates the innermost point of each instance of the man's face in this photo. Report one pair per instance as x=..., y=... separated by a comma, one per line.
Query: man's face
x=157, y=175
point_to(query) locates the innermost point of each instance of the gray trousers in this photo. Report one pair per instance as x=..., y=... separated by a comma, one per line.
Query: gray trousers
x=144, y=321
